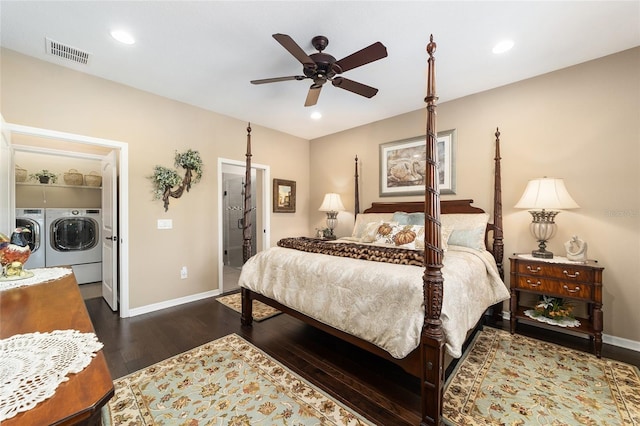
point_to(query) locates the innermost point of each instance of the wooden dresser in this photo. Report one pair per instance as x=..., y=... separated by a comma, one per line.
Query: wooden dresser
x=568, y=280
x=57, y=305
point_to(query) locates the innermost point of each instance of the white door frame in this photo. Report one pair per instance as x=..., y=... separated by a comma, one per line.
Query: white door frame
x=8, y=185
x=123, y=194
x=265, y=209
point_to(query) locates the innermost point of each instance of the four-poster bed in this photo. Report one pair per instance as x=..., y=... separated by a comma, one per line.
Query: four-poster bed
x=419, y=344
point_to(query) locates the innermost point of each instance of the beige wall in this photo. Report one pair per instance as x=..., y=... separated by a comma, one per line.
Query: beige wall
x=39, y=94
x=581, y=124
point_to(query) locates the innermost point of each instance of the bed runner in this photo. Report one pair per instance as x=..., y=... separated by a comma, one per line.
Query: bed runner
x=395, y=255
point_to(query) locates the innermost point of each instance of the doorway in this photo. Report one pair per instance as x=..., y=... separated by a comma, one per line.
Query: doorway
x=233, y=181
x=120, y=207
x=231, y=178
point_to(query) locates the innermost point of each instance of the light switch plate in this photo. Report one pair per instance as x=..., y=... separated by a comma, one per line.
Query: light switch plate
x=165, y=223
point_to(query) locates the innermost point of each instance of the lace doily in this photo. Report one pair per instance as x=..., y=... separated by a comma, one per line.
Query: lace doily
x=40, y=275
x=33, y=365
x=566, y=322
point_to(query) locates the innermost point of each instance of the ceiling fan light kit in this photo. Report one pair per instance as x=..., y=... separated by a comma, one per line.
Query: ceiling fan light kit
x=322, y=67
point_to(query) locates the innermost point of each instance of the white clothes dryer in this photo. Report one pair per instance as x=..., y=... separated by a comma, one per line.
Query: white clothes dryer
x=74, y=238
x=33, y=219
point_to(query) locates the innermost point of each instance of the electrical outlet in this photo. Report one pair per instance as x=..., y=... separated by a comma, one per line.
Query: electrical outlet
x=183, y=272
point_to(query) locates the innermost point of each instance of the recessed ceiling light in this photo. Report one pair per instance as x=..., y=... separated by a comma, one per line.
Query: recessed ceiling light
x=316, y=115
x=503, y=46
x=123, y=36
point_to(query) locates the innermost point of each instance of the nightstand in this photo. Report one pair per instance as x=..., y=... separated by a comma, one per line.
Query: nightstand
x=558, y=277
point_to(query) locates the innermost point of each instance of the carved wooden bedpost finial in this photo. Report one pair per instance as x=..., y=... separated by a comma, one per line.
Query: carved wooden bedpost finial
x=357, y=192
x=246, y=214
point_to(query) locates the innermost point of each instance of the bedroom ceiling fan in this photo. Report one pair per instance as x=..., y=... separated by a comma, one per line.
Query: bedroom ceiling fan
x=322, y=67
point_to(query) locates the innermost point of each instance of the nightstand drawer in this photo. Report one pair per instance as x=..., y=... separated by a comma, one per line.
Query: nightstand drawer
x=561, y=271
x=555, y=287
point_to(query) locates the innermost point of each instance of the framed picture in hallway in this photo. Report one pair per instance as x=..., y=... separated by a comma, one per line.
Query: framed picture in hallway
x=284, y=196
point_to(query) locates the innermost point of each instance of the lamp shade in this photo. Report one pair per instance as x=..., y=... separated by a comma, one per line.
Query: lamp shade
x=546, y=193
x=331, y=203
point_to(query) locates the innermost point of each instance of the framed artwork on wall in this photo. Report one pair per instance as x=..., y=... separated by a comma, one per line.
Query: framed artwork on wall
x=403, y=165
x=284, y=196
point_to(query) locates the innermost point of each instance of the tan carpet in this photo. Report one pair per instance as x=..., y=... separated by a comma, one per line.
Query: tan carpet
x=510, y=379
x=225, y=382
x=260, y=310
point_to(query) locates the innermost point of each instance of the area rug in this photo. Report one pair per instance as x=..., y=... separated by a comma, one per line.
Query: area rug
x=225, y=382
x=514, y=380
x=261, y=311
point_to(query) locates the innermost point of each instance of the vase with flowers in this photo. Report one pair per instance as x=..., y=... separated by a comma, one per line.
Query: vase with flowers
x=555, y=311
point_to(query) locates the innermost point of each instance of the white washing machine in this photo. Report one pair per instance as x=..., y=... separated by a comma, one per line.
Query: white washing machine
x=74, y=238
x=33, y=220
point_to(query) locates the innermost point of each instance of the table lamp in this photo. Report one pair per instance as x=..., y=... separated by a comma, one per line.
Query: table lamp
x=332, y=204
x=545, y=196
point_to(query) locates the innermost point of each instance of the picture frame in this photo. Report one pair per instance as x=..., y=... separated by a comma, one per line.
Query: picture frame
x=284, y=196
x=402, y=165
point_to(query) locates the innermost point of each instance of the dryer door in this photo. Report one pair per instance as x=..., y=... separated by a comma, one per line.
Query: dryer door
x=71, y=234
x=32, y=237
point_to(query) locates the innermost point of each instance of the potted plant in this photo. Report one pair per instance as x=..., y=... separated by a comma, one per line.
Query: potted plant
x=44, y=176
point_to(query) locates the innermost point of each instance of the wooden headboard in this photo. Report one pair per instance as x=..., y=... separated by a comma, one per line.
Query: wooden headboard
x=446, y=207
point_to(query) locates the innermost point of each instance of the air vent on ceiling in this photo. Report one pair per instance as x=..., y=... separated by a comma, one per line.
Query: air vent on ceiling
x=60, y=50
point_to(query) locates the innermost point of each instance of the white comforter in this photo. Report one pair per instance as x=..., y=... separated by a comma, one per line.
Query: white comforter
x=378, y=302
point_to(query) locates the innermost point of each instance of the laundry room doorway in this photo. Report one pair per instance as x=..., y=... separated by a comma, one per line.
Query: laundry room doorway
x=114, y=210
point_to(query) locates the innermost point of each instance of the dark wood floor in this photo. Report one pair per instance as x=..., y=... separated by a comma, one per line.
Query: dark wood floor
x=375, y=388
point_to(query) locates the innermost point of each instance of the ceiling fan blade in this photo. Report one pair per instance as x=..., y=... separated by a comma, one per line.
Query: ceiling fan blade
x=361, y=57
x=312, y=96
x=293, y=48
x=275, y=80
x=355, y=87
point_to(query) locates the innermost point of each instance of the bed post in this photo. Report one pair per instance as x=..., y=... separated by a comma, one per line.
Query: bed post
x=498, y=244
x=432, y=338
x=356, y=204
x=246, y=212
x=246, y=318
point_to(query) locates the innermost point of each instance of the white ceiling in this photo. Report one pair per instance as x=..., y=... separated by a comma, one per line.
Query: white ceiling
x=205, y=53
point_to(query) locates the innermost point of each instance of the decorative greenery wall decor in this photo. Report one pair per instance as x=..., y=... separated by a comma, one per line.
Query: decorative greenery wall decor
x=165, y=179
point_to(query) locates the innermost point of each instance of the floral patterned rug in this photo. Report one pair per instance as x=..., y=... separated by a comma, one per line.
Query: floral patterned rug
x=225, y=382
x=513, y=380
x=260, y=310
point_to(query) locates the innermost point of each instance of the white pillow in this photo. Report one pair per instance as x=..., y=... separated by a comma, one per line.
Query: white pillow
x=468, y=229
x=363, y=219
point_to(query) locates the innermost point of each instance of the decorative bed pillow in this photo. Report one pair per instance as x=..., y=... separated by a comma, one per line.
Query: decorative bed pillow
x=403, y=236
x=370, y=231
x=468, y=229
x=445, y=234
x=363, y=219
x=408, y=218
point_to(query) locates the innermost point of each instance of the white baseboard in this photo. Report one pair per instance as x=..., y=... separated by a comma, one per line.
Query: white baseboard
x=606, y=338
x=171, y=303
